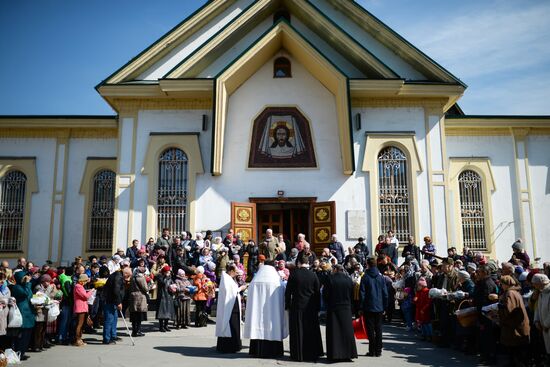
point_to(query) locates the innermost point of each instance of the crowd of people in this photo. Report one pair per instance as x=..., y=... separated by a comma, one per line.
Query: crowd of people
x=465, y=301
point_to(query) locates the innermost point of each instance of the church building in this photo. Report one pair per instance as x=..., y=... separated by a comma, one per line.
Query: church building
x=307, y=116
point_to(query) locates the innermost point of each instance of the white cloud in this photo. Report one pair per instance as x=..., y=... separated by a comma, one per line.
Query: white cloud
x=524, y=95
x=488, y=39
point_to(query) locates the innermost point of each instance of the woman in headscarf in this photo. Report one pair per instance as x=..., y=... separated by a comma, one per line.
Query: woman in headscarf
x=22, y=292
x=137, y=304
x=228, y=324
x=514, y=322
x=165, y=301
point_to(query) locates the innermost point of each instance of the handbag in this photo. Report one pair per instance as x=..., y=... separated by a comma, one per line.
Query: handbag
x=359, y=328
x=89, y=321
x=400, y=295
x=15, y=319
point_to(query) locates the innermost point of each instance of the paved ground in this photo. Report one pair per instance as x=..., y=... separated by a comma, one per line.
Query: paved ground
x=194, y=347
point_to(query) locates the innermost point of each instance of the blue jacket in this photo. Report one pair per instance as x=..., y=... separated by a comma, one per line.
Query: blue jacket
x=374, y=294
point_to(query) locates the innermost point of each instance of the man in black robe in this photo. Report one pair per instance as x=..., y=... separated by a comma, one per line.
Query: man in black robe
x=338, y=294
x=302, y=299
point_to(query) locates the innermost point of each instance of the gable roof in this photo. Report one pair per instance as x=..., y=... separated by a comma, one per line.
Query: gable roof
x=335, y=34
x=359, y=56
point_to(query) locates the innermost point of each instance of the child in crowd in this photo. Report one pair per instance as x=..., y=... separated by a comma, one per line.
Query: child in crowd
x=423, y=309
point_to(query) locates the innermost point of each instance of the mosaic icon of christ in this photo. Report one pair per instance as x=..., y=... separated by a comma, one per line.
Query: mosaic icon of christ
x=281, y=138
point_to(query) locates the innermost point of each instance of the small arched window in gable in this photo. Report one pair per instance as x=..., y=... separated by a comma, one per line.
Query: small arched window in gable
x=282, y=68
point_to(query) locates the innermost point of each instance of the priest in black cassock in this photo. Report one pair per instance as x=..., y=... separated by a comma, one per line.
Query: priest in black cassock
x=302, y=300
x=338, y=295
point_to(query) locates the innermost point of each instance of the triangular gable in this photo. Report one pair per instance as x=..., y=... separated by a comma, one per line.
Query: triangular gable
x=282, y=35
x=359, y=56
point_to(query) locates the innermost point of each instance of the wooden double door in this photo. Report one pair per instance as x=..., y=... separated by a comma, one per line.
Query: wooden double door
x=316, y=220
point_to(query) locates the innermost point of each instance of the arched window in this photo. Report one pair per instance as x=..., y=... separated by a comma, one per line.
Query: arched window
x=472, y=212
x=172, y=190
x=12, y=210
x=282, y=68
x=102, y=211
x=393, y=192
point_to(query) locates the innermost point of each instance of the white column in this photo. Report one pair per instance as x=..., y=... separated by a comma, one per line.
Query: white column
x=58, y=200
x=523, y=183
x=124, y=182
x=436, y=162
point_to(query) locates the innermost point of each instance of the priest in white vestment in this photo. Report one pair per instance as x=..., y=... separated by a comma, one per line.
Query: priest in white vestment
x=228, y=316
x=265, y=322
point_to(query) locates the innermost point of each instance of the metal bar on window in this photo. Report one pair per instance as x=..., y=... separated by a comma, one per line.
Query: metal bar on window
x=12, y=210
x=102, y=211
x=172, y=191
x=394, y=192
x=472, y=210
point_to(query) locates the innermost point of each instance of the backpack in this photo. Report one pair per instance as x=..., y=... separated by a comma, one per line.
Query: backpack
x=202, y=319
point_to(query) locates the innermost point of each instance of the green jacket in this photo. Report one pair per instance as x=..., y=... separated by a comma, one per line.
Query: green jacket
x=23, y=294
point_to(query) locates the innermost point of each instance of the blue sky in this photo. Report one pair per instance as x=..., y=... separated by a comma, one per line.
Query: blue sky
x=55, y=52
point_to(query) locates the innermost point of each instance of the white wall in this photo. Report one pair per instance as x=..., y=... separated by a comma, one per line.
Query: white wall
x=402, y=119
x=163, y=121
x=538, y=150
x=41, y=204
x=239, y=183
x=79, y=151
x=504, y=201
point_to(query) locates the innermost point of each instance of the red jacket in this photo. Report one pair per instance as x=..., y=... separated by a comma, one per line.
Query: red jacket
x=423, y=306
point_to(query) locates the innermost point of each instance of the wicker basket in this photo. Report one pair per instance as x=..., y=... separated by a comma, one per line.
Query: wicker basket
x=4, y=360
x=467, y=317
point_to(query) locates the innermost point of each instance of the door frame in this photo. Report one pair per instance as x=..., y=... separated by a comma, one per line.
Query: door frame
x=283, y=200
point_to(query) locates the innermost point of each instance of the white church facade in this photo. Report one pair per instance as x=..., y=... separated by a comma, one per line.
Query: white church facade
x=302, y=116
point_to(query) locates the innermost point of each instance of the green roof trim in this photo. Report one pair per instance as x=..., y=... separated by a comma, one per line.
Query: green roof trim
x=435, y=63
x=103, y=82
x=203, y=45
x=282, y=20
x=351, y=38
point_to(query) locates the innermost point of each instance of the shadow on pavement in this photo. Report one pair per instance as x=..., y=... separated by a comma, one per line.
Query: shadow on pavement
x=209, y=352
x=411, y=349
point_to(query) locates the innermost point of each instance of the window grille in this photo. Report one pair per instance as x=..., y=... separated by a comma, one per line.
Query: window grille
x=12, y=210
x=172, y=191
x=102, y=211
x=472, y=211
x=394, y=193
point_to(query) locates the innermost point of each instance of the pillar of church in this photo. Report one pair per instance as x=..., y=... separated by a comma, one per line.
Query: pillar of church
x=523, y=184
x=58, y=199
x=436, y=163
x=125, y=181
